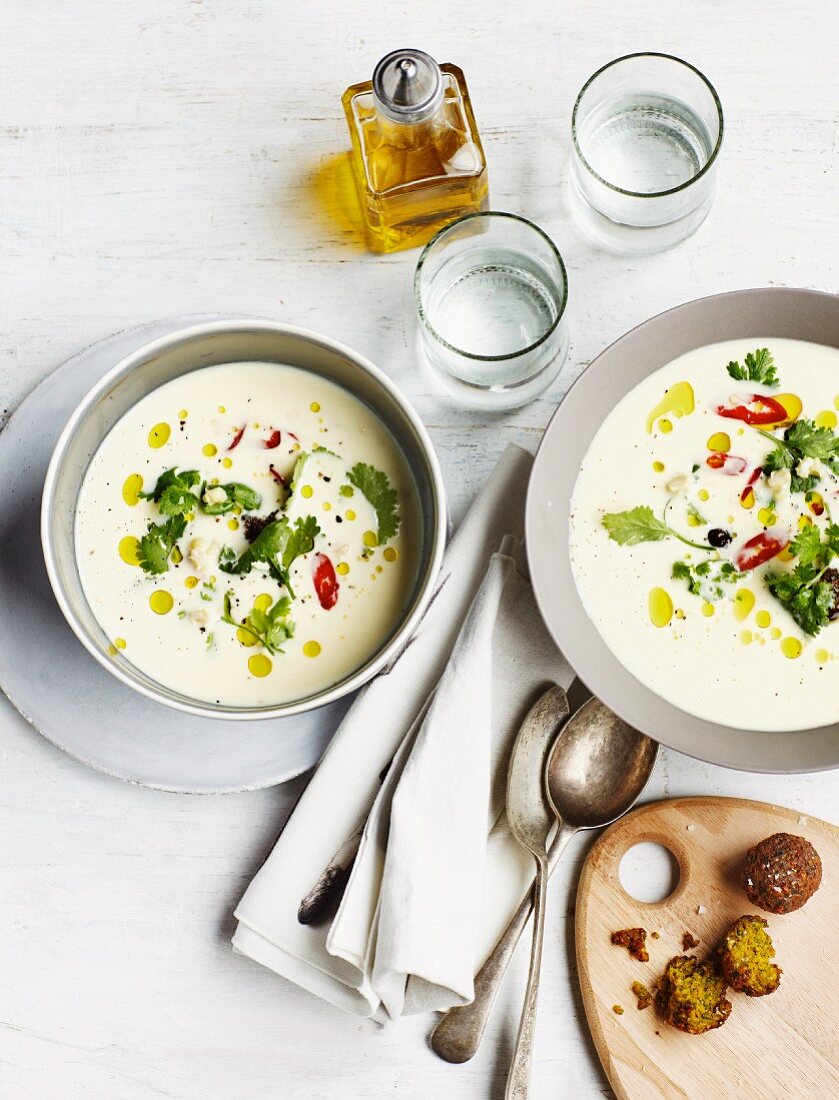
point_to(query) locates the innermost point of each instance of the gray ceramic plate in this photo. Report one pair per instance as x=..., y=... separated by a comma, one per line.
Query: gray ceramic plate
x=55, y=683
x=795, y=314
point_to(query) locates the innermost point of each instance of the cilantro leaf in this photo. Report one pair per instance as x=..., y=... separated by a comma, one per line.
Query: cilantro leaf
x=807, y=545
x=809, y=548
x=807, y=591
x=173, y=492
x=810, y=604
x=235, y=494
x=811, y=442
x=300, y=539
x=636, y=525
x=831, y=534
x=760, y=367
x=270, y=628
x=277, y=545
x=802, y=440
x=786, y=585
x=707, y=579
x=374, y=485
x=799, y=484
x=782, y=458
x=682, y=572
x=157, y=544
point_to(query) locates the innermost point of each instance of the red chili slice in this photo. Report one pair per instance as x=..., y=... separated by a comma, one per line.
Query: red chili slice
x=237, y=438
x=277, y=476
x=326, y=583
x=768, y=411
x=729, y=464
x=273, y=440
x=755, y=474
x=760, y=549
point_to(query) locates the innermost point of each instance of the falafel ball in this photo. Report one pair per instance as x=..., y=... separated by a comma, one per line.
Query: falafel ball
x=781, y=873
x=745, y=956
x=691, y=995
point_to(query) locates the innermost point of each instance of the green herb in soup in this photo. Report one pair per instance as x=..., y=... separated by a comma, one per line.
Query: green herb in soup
x=374, y=485
x=277, y=546
x=759, y=367
x=217, y=500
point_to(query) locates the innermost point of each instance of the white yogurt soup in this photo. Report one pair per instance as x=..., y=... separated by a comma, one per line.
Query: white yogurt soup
x=248, y=534
x=704, y=533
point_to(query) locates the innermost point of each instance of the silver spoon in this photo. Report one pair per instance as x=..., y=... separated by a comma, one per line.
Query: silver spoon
x=531, y=821
x=596, y=771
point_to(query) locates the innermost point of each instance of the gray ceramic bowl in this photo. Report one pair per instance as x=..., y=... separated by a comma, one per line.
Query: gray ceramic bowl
x=795, y=314
x=170, y=357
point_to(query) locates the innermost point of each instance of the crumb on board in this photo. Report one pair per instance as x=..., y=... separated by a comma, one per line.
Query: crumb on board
x=635, y=942
x=700, y=909
x=618, y=1011
x=802, y=821
x=688, y=941
x=642, y=995
x=690, y=828
x=655, y=935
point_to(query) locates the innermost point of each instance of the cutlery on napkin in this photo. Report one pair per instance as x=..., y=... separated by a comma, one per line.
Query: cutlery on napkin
x=437, y=875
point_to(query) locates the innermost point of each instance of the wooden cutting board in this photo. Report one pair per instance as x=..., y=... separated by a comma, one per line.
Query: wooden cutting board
x=783, y=1045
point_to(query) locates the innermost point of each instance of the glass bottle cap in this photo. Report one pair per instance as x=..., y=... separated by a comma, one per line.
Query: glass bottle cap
x=408, y=86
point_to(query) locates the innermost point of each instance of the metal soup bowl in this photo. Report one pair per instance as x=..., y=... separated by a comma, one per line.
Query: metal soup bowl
x=190, y=349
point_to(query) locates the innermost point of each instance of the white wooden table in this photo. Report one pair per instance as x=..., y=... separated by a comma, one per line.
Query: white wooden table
x=171, y=156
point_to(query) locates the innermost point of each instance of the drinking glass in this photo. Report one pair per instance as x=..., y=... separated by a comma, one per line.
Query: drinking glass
x=490, y=292
x=646, y=132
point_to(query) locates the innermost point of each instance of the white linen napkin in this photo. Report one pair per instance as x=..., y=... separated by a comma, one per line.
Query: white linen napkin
x=437, y=876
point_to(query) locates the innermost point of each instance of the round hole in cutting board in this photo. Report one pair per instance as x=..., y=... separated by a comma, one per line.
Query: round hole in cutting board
x=649, y=872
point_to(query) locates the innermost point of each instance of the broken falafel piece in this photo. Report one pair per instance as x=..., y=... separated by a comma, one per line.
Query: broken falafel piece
x=745, y=957
x=691, y=995
x=688, y=941
x=781, y=873
x=635, y=942
x=642, y=995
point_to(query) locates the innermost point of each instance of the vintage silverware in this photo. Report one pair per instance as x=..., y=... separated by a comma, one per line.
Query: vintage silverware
x=531, y=821
x=322, y=901
x=597, y=770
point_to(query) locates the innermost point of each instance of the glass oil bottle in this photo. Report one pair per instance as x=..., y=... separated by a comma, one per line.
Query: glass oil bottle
x=417, y=157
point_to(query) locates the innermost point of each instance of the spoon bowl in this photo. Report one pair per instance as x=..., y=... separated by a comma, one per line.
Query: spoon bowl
x=597, y=767
x=531, y=818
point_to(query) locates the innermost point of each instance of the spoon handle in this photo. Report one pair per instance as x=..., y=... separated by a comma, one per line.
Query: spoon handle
x=518, y=1083
x=458, y=1035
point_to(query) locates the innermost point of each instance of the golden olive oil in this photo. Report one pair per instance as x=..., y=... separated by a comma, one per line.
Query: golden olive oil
x=417, y=157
